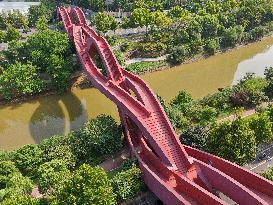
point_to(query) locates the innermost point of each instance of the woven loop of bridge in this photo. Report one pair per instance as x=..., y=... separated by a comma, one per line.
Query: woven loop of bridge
x=176, y=173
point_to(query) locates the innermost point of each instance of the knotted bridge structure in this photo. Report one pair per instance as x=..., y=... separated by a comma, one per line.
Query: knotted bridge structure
x=175, y=173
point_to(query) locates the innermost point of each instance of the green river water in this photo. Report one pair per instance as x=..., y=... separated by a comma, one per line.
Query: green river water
x=32, y=121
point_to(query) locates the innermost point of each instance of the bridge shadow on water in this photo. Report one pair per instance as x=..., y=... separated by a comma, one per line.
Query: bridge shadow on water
x=57, y=115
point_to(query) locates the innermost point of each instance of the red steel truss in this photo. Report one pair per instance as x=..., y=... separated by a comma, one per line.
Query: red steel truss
x=176, y=173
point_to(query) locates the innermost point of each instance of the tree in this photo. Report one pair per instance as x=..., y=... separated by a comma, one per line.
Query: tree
x=2, y=36
x=20, y=78
x=210, y=24
x=178, y=55
x=20, y=199
x=97, y=5
x=58, y=148
x=52, y=175
x=141, y=17
x=262, y=127
x=35, y=12
x=182, y=100
x=88, y=185
x=7, y=170
x=232, y=36
x=195, y=136
x=104, y=22
x=234, y=141
x=28, y=158
x=12, y=34
x=127, y=184
x=42, y=23
x=268, y=174
x=269, y=77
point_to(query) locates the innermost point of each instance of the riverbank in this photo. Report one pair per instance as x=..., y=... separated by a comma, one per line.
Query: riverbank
x=80, y=81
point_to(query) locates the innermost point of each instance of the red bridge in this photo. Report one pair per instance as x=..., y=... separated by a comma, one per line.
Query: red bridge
x=176, y=173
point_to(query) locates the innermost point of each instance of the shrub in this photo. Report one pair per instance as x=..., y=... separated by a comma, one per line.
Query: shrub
x=195, y=136
x=12, y=34
x=20, y=199
x=232, y=36
x=7, y=170
x=127, y=184
x=88, y=185
x=269, y=77
x=182, y=100
x=268, y=174
x=178, y=55
x=211, y=46
x=52, y=175
x=2, y=36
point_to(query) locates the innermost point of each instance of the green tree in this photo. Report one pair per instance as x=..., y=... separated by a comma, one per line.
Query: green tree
x=232, y=36
x=210, y=24
x=2, y=36
x=141, y=17
x=178, y=54
x=20, y=199
x=20, y=78
x=42, y=23
x=52, y=175
x=35, y=12
x=104, y=22
x=195, y=136
x=268, y=174
x=127, y=184
x=7, y=170
x=98, y=137
x=58, y=147
x=234, y=141
x=88, y=185
x=28, y=158
x=269, y=77
x=262, y=127
x=182, y=100
x=12, y=34
x=97, y=5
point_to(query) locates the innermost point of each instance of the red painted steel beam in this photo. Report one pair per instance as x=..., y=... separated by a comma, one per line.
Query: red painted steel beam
x=177, y=174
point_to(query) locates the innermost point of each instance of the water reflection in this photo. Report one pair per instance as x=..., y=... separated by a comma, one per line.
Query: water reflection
x=257, y=64
x=57, y=115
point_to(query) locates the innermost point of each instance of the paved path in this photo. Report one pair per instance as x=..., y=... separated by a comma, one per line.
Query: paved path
x=137, y=60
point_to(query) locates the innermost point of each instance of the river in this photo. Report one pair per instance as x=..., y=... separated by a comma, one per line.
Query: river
x=32, y=121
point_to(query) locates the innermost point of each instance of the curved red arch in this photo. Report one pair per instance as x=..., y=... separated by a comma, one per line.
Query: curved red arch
x=177, y=174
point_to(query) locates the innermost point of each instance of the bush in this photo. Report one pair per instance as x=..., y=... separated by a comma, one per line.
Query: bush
x=88, y=185
x=257, y=33
x=127, y=184
x=178, y=55
x=12, y=34
x=7, y=170
x=268, y=174
x=249, y=91
x=19, y=199
x=196, y=137
x=269, y=77
x=234, y=141
x=232, y=36
x=182, y=100
x=2, y=36
x=211, y=46
x=52, y=175
x=218, y=100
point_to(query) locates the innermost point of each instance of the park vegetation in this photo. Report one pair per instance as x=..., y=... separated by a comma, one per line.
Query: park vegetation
x=202, y=124
x=64, y=168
